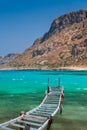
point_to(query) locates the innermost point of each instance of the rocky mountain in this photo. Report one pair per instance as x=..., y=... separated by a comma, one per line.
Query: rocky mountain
x=6, y=59
x=64, y=21
x=65, y=44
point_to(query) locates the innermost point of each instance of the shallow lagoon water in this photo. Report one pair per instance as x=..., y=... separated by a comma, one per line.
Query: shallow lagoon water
x=25, y=89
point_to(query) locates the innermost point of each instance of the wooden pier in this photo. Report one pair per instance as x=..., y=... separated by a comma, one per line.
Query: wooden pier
x=41, y=116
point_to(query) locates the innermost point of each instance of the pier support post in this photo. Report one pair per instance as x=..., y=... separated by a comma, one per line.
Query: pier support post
x=60, y=108
x=61, y=102
x=22, y=114
x=49, y=122
x=62, y=98
x=48, y=90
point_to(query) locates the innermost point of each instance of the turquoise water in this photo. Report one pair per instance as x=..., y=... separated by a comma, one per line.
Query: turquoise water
x=24, y=90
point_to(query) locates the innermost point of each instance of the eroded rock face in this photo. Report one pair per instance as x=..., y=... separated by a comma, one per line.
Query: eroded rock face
x=7, y=58
x=65, y=44
x=85, y=43
x=64, y=21
x=40, y=51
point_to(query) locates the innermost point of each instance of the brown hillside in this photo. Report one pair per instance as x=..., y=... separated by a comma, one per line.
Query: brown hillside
x=65, y=44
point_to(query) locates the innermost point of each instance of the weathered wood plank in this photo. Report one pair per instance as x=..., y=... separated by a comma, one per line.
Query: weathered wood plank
x=50, y=105
x=33, y=120
x=40, y=115
x=17, y=125
x=30, y=123
x=36, y=117
x=6, y=128
x=47, y=107
x=42, y=112
x=45, y=110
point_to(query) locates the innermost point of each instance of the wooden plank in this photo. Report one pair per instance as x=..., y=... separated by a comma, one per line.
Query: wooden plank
x=46, y=110
x=49, y=102
x=50, y=99
x=17, y=125
x=36, y=117
x=54, y=105
x=54, y=100
x=33, y=120
x=43, y=112
x=54, y=92
x=6, y=128
x=51, y=94
x=30, y=123
x=44, y=106
x=40, y=115
x=50, y=105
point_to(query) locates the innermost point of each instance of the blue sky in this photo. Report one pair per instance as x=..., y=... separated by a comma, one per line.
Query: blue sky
x=22, y=21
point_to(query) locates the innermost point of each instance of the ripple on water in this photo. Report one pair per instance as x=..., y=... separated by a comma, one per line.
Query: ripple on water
x=78, y=88
x=82, y=107
x=84, y=88
x=17, y=79
x=11, y=95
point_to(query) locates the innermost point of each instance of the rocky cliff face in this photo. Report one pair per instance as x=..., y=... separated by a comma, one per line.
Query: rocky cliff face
x=7, y=58
x=64, y=21
x=65, y=44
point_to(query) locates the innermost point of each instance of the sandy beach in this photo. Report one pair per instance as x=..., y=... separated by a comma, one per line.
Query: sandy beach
x=74, y=68
x=60, y=68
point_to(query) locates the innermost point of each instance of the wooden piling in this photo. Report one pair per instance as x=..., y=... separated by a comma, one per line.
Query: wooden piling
x=60, y=108
x=61, y=102
x=22, y=114
x=49, y=122
x=48, y=90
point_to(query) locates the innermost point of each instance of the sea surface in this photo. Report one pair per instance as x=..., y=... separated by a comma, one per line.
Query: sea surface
x=22, y=90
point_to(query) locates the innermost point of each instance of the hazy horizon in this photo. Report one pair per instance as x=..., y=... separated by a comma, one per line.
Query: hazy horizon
x=22, y=22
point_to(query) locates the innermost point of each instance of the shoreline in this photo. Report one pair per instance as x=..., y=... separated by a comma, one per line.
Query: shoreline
x=70, y=68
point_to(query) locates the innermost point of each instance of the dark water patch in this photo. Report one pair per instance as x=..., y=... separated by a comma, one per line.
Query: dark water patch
x=11, y=105
x=48, y=72
x=65, y=124
x=74, y=116
x=65, y=72
x=77, y=98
